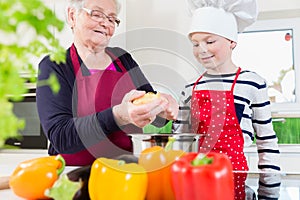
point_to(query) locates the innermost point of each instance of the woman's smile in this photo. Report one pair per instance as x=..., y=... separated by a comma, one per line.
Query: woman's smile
x=101, y=32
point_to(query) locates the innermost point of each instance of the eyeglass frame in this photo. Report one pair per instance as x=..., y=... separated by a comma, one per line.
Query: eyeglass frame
x=90, y=12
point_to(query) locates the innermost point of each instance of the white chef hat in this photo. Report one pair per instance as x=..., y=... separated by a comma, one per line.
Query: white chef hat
x=222, y=17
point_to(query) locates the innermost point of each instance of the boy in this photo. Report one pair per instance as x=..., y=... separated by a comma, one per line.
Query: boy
x=228, y=105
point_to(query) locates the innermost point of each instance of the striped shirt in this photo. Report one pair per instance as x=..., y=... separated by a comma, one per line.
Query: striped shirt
x=252, y=108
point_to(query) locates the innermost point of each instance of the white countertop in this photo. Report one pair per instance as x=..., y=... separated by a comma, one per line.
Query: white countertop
x=10, y=158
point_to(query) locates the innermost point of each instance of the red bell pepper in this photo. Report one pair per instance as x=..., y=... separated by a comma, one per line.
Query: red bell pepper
x=199, y=177
x=157, y=161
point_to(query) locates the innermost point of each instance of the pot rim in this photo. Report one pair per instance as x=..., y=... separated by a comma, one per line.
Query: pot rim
x=155, y=136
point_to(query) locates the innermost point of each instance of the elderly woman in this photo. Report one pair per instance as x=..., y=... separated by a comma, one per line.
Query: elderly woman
x=93, y=112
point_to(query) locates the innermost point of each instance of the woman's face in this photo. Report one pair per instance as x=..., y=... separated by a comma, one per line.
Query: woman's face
x=212, y=51
x=92, y=33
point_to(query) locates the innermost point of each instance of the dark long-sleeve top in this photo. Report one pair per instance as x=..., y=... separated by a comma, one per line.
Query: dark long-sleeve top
x=56, y=111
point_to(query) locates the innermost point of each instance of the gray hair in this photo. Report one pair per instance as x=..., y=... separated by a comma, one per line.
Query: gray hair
x=79, y=4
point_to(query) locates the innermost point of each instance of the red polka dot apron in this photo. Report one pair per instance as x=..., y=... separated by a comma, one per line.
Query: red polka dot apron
x=97, y=92
x=213, y=115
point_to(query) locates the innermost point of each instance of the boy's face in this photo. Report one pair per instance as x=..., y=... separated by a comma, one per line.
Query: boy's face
x=212, y=51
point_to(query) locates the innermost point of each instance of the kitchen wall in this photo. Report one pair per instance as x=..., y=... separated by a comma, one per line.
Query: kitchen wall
x=156, y=37
x=154, y=32
x=278, y=9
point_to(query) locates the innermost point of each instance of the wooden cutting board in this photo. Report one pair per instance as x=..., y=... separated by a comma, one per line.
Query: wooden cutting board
x=4, y=182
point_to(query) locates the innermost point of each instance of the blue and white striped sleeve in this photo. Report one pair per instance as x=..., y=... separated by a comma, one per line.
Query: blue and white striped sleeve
x=267, y=145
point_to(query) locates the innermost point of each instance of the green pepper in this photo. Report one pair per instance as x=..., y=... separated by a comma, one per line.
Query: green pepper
x=203, y=177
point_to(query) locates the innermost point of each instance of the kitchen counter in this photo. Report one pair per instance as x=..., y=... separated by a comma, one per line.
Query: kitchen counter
x=289, y=190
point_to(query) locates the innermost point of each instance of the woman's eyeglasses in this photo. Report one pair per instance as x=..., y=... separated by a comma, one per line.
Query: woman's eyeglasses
x=99, y=16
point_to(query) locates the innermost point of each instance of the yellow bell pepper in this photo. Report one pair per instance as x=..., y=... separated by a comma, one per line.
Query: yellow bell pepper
x=114, y=180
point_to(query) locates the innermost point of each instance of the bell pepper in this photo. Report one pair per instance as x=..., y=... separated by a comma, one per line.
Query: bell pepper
x=196, y=176
x=32, y=178
x=114, y=180
x=157, y=161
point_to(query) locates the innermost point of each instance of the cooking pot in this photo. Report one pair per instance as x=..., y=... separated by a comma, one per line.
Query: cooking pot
x=187, y=142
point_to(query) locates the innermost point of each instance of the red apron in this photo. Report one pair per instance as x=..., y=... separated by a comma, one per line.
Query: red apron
x=97, y=92
x=213, y=115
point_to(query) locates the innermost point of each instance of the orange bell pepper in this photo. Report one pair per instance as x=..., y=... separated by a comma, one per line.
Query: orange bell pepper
x=32, y=178
x=157, y=161
x=114, y=180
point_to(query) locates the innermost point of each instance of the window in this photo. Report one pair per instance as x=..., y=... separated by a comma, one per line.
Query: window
x=271, y=48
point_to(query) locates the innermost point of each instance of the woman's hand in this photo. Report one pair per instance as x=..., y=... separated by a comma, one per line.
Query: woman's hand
x=139, y=115
x=172, y=108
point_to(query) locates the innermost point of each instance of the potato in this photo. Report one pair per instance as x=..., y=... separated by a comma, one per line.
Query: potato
x=147, y=98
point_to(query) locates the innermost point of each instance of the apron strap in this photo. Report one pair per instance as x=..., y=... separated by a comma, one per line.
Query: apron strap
x=116, y=60
x=236, y=77
x=233, y=84
x=74, y=58
x=198, y=80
